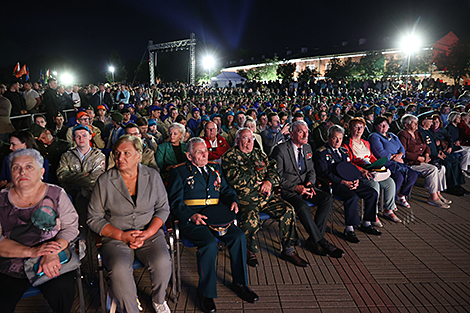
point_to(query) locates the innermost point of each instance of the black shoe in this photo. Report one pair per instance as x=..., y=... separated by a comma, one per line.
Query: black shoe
x=251, y=259
x=351, y=236
x=207, y=304
x=295, y=259
x=333, y=250
x=315, y=247
x=465, y=191
x=455, y=191
x=370, y=230
x=244, y=292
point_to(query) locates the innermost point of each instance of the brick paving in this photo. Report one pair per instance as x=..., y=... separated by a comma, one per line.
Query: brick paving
x=421, y=265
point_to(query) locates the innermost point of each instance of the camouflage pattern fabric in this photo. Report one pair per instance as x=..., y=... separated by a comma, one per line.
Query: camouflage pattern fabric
x=243, y=171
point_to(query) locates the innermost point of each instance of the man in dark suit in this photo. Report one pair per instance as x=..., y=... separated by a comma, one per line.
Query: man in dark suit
x=105, y=96
x=51, y=102
x=194, y=187
x=93, y=98
x=295, y=166
x=349, y=191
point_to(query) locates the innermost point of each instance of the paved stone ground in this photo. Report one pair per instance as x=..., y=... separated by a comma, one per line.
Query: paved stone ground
x=421, y=265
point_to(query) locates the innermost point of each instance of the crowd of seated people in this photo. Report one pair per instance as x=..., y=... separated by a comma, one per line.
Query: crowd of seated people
x=127, y=156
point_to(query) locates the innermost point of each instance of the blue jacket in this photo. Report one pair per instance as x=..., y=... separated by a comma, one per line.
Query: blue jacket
x=326, y=161
x=382, y=146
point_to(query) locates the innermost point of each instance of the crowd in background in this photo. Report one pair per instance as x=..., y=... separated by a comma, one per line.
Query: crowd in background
x=419, y=128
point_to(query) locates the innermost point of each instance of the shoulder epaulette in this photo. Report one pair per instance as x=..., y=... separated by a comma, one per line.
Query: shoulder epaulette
x=178, y=165
x=321, y=149
x=212, y=162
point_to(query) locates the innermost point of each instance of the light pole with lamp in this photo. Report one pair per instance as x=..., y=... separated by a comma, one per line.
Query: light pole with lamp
x=208, y=63
x=410, y=44
x=111, y=69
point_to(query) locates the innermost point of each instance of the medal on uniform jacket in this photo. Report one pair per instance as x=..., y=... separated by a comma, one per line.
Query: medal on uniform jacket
x=260, y=166
x=190, y=181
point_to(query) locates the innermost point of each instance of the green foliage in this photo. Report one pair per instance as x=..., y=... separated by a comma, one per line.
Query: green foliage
x=242, y=73
x=421, y=63
x=339, y=69
x=372, y=65
x=393, y=67
x=286, y=70
x=268, y=72
x=253, y=73
x=307, y=74
x=456, y=63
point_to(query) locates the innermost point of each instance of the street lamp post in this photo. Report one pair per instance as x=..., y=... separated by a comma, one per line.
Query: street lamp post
x=208, y=63
x=410, y=44
x=111, y=69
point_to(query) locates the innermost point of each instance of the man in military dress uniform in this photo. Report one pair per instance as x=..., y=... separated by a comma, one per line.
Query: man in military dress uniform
x=195, y=186
x=254, y=176
x=327, y=158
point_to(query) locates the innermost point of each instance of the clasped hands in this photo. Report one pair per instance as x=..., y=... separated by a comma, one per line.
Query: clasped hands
x=306, y=190
x=351, y=184
x=135, y=238
x=50, y=262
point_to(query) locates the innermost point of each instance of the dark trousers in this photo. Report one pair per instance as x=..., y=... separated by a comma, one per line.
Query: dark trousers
x=207, y=249
x=59, y=292
x=350, y=199
x=315, y=227
x=406, y=183
x=454, y=175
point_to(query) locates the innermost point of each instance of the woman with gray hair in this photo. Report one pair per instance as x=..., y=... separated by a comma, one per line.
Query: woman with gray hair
x=172, y=152
x=456, y=141
x=36, y=220
x=417, y=155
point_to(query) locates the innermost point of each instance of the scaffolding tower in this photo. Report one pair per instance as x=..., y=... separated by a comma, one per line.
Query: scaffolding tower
x=179, y=45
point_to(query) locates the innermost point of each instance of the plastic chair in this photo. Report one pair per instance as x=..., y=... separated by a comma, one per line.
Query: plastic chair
x=107, y=301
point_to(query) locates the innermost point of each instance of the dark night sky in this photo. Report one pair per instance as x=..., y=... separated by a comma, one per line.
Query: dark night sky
x=85, y=32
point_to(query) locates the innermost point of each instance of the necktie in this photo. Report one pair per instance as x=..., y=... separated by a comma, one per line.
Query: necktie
x=204, y=174
x=300, y=160
x=336, y=151
x=101, y=97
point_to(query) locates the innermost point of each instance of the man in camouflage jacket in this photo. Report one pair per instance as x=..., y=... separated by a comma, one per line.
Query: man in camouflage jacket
x=253, y=176
x=79, y=168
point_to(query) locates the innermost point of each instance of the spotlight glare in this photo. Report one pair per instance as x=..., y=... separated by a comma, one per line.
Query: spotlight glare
x=208, y=62
x=66, y=79
x=410, y=44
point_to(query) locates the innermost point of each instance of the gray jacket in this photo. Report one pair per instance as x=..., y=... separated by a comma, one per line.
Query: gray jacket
x=111, y=203
x=284, y=155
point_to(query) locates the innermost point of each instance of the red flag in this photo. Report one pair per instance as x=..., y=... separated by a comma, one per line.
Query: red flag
x=21, y=72
x=17, y=69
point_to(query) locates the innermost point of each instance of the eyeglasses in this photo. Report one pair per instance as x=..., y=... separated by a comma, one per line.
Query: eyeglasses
x=247, y=138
